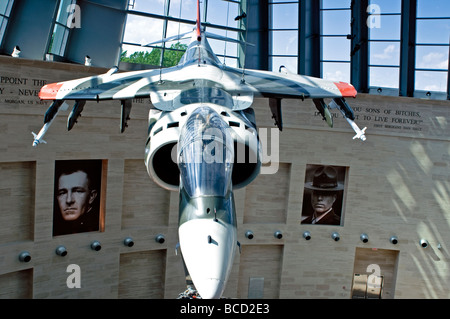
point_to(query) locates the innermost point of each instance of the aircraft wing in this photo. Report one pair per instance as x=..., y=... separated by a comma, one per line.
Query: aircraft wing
x=129, y=85
x=107, y=86
x=164, y=86
x=289, y=85
x=278, y=86
x=138, y=84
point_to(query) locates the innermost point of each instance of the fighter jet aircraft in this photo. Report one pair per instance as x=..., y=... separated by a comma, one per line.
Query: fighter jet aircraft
x=203, y=139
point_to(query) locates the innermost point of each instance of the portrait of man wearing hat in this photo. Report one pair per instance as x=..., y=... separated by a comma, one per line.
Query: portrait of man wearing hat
x=323, y=187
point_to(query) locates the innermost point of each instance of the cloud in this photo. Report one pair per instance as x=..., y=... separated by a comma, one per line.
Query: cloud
x=142, y=30
x=384, y=77
x=432, y=87
x=431, y=81
x=434, y=60
x=147, y=6
x=335, y=76
x=387, y=53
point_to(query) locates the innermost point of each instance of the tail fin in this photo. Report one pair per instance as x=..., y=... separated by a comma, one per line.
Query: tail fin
x=199, y=37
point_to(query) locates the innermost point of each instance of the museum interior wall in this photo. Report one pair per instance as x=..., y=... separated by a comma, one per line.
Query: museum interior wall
x=395, y=184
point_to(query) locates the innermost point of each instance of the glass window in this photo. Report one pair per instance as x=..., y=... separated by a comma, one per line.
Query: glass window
x=433, y=31
x=281, y=1
x=389, y=28
x=291, y=63
x=5, y=10
x=384, y=53
x=387, y=6
x=334, y=71
x=63, y=12
x=384, y=43
x=283, y=35
x=432, y=57
x=58, y=40
x=222, y=13
x=137, y=54
x=336, y=22
x=180, y=9
x=432, y=45
x=432, y=8
x=284, y=16
x=335, y=4
x=144, y=29
x=3, y=23
x=431, y=81
x=176, y=28
x=5, y=7
x=66, y=11
x=223, y=48
x=385, y=77
x=335, y=48
x=284, y=42
x=156, y=7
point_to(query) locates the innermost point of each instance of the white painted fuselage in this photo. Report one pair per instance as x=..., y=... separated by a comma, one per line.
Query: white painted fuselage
x=208, y=249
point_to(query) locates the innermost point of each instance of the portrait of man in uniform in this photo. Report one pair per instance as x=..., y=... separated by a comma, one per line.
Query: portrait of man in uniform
x=323, y=195
x=77, y=196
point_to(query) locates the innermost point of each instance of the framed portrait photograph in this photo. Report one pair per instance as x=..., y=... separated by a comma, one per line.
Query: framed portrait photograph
x=323, y=195
x=77, y=197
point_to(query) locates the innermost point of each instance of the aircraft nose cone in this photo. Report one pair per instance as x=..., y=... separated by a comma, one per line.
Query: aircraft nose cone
x=208, y=249
x=210, y=288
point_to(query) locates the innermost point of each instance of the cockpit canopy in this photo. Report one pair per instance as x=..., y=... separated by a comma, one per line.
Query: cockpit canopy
x=205, y=154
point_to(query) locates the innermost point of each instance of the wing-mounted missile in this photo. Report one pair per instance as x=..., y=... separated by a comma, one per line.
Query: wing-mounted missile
x=345, y=109
x=275, y=108
x=359, y=133
x=324, y=111
x=347, y=112
x=38, y=140
x=75, y=114
x=125, y=106
x=52, y=110
x=49, y=116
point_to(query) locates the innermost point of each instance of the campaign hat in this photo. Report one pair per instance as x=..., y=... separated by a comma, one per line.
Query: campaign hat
x=325, y=178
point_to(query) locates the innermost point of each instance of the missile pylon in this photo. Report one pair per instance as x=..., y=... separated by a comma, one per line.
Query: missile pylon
x=39, y=138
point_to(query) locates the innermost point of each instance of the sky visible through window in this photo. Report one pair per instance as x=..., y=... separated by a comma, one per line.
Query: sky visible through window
x=143, y=30
x=432, y=36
